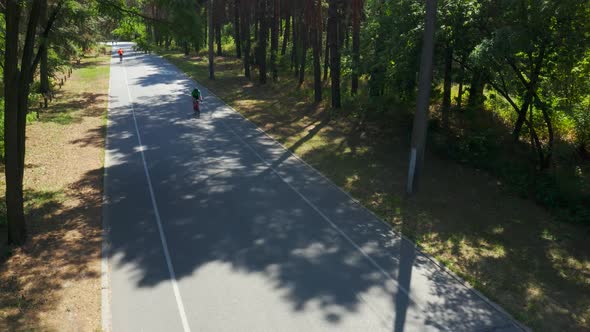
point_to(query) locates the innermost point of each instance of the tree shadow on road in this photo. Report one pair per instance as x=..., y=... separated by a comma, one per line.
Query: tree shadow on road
x=230, y=196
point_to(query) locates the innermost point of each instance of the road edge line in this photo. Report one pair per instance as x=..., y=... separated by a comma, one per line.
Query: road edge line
x=105, y=287
x=163, y=240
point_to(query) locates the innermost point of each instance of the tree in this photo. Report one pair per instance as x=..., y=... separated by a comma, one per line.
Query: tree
x=246, y=15
x=316, y=31
x=17, y=85
x=237, y=35
x=44, y=66
x=262, y=40
x=274, y=40
x=520, y=51
x=286, y=7
x=211, y=42
x=357, y=7
x=304, y=33
x=333, y=40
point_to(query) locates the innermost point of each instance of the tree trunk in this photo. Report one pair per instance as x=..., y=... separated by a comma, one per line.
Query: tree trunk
x=211, y=42
x=246, y=36
x=304, y=36
x=530, y=86
x=357, y=7
x=17, y=231
x=286, y=33
x=420, y=126
x=333, y=21
x=295, y=43
x=44, y=68
x=446, y=104
x=548, y=122
x=327, y=52
x=218, y=39
x=522, y=116
x=316, y=46
x=274, y=40
x=460, y=92
x=16, y=92
x=262, y=40
x=256, y=26
x=475, y=101
x=237, y=35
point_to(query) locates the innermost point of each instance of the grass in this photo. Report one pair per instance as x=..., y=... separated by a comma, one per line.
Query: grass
x=507, y=247
x=53, y=281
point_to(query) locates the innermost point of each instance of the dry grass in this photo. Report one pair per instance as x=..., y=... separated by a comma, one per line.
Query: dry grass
x=53, y=281
x=509, y=248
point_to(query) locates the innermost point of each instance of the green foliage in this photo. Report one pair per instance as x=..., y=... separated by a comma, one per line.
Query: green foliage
x=390, y=47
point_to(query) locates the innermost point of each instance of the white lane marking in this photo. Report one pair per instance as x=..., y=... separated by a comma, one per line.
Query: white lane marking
x=173, y=280
x=104, y=277
x=328, y=220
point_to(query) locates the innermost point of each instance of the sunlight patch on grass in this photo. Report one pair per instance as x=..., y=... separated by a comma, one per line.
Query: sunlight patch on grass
x=569, y=267
x=491, y=250
x=547, y=235
x=62, y=118
x=498, y=230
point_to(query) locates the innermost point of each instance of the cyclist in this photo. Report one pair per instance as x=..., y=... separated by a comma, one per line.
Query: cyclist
x=197, y=99
x=120, y=51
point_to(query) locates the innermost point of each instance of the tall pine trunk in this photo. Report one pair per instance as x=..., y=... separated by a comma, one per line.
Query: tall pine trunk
x=357, y=7
x=237, y=35
x=246, y=35
x=262, y=40
x=327, y=53
x=218, y=38
x=295, y=43
x=304, y=37
x=446, y=103
x=460, y=92
x=274, y=40
x=211, y=43
x=333, y=21
x=286, y=33
x=316, y=49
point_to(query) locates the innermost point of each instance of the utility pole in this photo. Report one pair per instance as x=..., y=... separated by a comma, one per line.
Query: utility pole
x=420, y=127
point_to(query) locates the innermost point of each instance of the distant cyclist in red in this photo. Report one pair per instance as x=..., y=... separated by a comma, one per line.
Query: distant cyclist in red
x=120, y=51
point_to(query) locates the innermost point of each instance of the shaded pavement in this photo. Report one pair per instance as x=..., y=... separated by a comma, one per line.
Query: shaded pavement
x=213, y=226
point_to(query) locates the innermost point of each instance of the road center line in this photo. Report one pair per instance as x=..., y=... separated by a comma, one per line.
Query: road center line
x=173, y=280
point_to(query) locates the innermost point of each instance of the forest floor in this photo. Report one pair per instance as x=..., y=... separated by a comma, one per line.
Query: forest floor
x=53, y=281
x=509, y=248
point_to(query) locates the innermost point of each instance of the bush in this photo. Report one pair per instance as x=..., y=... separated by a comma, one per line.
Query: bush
x=581, y=117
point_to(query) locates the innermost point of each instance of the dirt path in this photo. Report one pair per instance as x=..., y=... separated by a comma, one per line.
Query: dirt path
x=53, y=282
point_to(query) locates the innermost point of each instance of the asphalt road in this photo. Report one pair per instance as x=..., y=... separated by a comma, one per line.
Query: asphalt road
x=213, y=226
